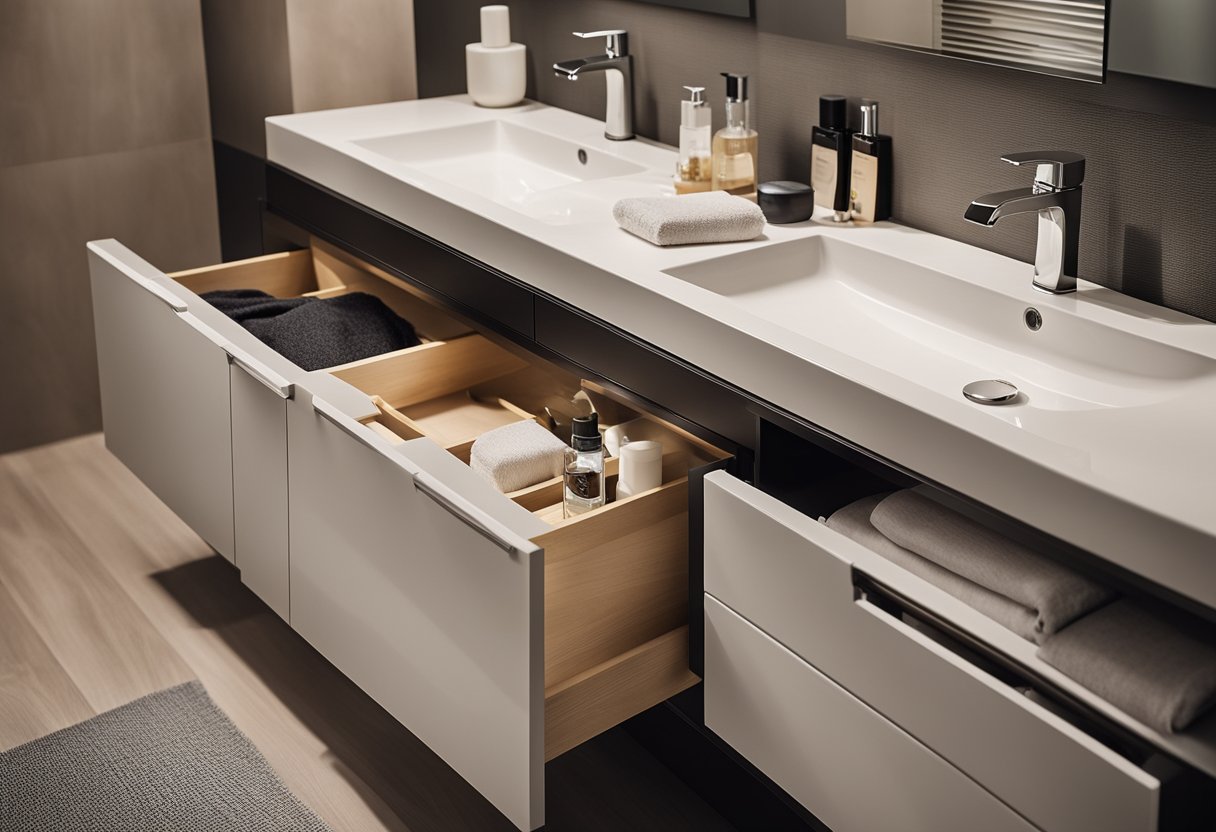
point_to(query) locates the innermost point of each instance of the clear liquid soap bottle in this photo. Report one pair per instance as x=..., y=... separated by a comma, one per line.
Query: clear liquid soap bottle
x=693, y=169
x=583, y=487
x=735, y=145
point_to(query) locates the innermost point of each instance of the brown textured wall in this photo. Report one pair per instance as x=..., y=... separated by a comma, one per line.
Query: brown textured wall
x=103, y=133
x=1151, y=171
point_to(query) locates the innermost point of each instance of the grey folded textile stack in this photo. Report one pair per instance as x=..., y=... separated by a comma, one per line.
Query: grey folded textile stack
x=1152, y=663
x=316, y=333
x=712, y=217
x=1020, y=589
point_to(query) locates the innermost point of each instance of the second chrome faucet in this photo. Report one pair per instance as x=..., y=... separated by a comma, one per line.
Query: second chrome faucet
x=617, y=65
x=1056, y=197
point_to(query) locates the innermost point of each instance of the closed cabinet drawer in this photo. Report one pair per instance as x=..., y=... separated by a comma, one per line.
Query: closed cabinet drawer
x=854, y=769
x=794, y=578
x=499, y=632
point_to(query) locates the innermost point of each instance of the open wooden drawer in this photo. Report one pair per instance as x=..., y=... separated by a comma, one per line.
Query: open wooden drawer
x=171, y=365
x=499, y=632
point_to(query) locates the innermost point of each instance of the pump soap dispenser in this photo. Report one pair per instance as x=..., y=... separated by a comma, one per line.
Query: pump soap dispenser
x=693, y=168
x=495, y=68
x=735, y=145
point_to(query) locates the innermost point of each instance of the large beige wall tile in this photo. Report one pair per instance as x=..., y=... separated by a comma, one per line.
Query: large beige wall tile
x=159, y=200
x=79, y=77
x=350, y=53
x=248, y=68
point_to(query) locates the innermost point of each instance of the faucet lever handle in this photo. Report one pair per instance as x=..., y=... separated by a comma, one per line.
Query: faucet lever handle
x=1056, y=168
x=618, y=41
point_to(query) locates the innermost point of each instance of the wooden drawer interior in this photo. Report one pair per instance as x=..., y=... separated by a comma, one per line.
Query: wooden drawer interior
x=616, y=579
x=322, y=271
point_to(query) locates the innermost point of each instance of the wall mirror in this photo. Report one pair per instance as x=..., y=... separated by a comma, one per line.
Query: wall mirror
x=734, y=8
x=1056, y=37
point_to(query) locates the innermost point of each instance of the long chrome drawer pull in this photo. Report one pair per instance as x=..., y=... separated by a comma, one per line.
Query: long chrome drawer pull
x=420, y=478
x=461, y=514
x=280, y=386
x=324, y=409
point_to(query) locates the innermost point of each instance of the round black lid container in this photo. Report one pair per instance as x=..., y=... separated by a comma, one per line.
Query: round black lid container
x=833, y=112
x=784, y=202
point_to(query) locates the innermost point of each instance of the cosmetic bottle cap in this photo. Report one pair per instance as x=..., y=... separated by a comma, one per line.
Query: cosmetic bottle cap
x=869, y=118
x=736, y=86
x=833, y=112
x=586, y=427
x=495, y=26
x=694, y=112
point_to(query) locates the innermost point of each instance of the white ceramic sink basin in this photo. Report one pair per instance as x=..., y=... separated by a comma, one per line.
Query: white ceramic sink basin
x=537, y=174
x=942, y=332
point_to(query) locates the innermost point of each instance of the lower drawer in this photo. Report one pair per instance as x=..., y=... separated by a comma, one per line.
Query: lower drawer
x=794, y=578
x=499, y=632
x=855, y=770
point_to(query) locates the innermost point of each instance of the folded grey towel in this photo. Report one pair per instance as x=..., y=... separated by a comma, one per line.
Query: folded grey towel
x=1154, y=664
x=853, y=521
x=1054, y=594
x=712, y=217
x=517, y=455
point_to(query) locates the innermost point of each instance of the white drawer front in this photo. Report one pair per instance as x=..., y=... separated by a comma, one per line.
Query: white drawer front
x=855, y=770
x=164, y=392
x=426, y=613
x=259, y=486
x=791, y=576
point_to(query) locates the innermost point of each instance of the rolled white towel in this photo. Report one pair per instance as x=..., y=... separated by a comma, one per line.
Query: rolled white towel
x=712, y=217
x=517, y=455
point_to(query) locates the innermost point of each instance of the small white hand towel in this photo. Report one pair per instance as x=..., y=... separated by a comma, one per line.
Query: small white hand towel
x=711, y=217
x=517, y=455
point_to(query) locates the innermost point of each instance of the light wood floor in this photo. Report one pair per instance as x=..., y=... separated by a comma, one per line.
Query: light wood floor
x=106, y=596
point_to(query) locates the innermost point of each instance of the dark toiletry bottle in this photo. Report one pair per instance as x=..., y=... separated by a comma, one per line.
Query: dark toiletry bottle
x=584, y=467
x=870, y=189
x=831, y=153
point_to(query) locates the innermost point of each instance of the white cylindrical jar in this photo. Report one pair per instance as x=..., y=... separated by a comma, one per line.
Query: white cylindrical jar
x=641, y=468
x=496, y=69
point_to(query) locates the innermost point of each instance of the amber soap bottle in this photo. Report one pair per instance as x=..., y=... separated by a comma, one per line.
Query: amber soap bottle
x=870, y=179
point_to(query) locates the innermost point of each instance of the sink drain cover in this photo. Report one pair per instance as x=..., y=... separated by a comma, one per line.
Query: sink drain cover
x=990, y=391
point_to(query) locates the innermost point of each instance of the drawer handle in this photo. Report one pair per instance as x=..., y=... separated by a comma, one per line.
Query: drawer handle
x=421, y=480
x=325, y=410
x=462, y=515
x=262, y=374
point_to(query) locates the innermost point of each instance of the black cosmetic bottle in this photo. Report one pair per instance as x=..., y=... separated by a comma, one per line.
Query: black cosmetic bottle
x=871, y=182
x=831, y=152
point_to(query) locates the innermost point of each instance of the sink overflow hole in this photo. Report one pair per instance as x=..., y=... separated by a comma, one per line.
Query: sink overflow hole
x=582, y=156
x=1034, y=320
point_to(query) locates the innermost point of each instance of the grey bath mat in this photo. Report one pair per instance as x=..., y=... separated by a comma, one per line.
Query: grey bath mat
x=168, y=762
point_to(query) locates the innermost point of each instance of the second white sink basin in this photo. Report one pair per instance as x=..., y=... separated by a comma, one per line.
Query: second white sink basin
x=539, y=175
x=942, y=332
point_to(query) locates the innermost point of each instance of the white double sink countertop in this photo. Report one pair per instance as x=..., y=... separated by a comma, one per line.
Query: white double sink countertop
x=1113, y=449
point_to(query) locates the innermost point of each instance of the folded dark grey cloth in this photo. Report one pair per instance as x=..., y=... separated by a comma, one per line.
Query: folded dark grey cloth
x=853, y=521
x=1155, y=664
x=1053, y=594
x=316, y=333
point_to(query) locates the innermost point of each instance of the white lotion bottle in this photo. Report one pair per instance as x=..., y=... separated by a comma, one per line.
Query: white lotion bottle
x=495, y=69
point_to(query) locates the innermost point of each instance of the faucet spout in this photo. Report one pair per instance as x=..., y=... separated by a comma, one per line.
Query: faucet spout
x=617, y=65
x=987, y=209
x=1058, y=204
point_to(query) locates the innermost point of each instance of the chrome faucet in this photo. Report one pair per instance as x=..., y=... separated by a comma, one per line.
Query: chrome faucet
x=1056, y=196
x=617, y=65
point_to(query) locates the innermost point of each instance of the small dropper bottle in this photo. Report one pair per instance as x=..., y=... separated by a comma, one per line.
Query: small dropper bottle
x=583, y=488
x=693, y=168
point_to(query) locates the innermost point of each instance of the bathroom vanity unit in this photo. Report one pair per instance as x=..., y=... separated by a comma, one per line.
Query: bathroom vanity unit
x=788, y=376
